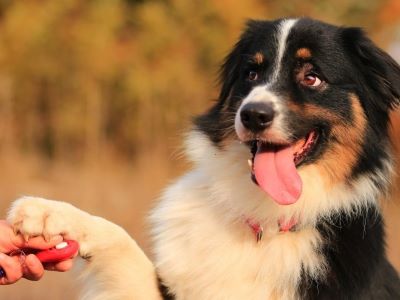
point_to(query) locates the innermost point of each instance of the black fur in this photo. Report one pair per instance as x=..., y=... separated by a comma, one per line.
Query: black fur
x=376, y=68
x=350, y=64
x=355, y=252
x=214, y=123
x=165, y=294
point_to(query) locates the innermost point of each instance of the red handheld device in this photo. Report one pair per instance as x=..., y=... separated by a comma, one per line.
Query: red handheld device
x=60, y=252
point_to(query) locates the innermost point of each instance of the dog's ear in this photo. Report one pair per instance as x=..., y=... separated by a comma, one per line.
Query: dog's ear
x=214, y=123
x=381, y=73
x=230, y=69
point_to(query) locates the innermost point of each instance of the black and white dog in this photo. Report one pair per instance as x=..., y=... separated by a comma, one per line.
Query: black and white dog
x=283, y=198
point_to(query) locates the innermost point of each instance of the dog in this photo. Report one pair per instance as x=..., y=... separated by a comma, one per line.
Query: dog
x=289, y=167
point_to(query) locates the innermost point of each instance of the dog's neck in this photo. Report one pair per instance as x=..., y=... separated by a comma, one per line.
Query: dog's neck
x=258, y=230
x=234, y=194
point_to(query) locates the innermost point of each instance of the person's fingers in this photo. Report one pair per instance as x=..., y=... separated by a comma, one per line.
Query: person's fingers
x=37, y=242
x=33, y=268
x=61, y=266
x=6, y=237
x=12, y=269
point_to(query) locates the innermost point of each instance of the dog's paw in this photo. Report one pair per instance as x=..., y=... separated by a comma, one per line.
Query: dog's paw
x=33, y=216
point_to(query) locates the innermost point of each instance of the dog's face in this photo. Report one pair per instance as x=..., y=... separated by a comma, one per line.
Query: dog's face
x=300, y=92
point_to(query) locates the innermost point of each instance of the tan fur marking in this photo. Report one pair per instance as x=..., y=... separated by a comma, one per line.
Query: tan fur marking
x=303, y=53
x=339, y=160
x=311, y=110
x=336, y=164
x=258, y=58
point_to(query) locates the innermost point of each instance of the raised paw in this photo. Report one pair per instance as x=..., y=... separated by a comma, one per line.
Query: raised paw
x=32, y=216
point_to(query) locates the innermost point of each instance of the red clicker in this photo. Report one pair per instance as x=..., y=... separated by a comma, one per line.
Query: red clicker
x=62, y=251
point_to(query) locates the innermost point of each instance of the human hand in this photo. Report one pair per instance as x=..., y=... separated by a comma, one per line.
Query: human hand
x=31, y=268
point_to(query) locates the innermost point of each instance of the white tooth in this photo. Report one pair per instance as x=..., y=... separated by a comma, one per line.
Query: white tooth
x=249, y=161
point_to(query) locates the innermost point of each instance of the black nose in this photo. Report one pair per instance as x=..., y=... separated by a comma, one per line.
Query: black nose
x=257, y=116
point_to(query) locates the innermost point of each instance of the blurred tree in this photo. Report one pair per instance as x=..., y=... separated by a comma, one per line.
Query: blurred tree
x=78, y=78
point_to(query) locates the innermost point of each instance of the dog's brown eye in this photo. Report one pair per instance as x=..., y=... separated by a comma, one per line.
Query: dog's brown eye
x=253, y=75
x=311, y=80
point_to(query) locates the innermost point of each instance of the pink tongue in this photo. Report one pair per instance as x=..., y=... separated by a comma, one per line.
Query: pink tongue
x=277, y=175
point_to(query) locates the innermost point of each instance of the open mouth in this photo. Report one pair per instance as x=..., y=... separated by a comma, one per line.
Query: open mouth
x=274, y=167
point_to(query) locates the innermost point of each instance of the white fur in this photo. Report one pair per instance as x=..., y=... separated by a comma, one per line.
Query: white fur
x=204, y=250
x=284, y=29
x=115, y=269
x=277, y=132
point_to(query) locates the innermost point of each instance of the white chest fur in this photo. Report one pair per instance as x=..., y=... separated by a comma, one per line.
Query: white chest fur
x=205, y=252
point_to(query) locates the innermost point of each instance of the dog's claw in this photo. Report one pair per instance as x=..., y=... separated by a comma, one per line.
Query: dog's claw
x=15, y=230
x=26, y=237
x=47, y=237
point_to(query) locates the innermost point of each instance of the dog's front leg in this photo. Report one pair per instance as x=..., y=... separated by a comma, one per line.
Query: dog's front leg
x=115, y=267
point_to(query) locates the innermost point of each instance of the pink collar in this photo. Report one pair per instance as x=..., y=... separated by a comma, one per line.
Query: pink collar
x=284, y=226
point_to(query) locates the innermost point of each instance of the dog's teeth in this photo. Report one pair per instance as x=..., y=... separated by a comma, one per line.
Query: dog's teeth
x=250, y=163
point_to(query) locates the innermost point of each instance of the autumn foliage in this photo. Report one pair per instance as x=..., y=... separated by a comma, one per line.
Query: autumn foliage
x=79, y=77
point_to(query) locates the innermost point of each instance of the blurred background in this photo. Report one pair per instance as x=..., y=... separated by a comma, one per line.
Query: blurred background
x=95, y=95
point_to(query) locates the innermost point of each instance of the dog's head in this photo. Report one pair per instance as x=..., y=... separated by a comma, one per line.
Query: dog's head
x=299, y=92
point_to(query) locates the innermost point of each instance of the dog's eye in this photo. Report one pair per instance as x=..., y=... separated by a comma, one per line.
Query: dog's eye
x=311, y=80
x=253, y=75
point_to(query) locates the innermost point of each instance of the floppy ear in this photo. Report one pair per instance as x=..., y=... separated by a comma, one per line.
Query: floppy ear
x=214, y=122
x=380, y=71
x=230, y=69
